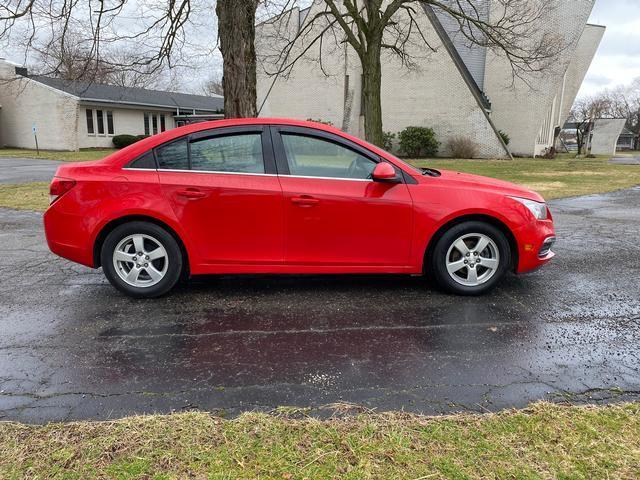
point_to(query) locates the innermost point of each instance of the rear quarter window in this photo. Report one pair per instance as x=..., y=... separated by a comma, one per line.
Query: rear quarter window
x=146, y=161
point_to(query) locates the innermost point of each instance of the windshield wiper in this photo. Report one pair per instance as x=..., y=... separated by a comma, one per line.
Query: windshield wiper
x=431, y=172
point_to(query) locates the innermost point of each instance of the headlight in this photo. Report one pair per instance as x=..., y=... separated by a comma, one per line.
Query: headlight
x=538, y=209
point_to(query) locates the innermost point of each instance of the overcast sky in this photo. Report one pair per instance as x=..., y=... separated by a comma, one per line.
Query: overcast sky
x=618, y=59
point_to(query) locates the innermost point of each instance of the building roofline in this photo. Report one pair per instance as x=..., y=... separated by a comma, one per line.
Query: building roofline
x=143, y=104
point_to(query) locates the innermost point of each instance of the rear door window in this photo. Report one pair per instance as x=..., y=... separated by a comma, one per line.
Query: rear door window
x=173, y=156
x=239, y=153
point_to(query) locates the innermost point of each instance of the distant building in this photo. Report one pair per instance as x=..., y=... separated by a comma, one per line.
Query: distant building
x=457, y=89
x=73, y=115
x=627, y=140
x=606, y=136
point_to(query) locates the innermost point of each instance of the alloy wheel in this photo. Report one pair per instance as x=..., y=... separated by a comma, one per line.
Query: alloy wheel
x=473, y=259
x=140, y=260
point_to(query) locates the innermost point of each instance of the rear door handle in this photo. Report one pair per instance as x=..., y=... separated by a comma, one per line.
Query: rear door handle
x=191, y=193
x=305, y=201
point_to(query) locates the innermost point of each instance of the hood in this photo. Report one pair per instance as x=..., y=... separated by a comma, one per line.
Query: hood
x=478, y=182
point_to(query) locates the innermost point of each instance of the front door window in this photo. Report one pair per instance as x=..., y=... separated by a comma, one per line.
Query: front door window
x=315, y=157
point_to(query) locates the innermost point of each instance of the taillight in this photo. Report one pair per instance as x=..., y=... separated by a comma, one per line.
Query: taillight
x=59, y=186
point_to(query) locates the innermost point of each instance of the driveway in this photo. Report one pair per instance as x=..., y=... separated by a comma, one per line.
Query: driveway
x=626, y=160
x=22, y=170
x=73, y=348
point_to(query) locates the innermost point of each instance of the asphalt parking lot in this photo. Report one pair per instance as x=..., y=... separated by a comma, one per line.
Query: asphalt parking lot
x=71, y=347
x=19, y=170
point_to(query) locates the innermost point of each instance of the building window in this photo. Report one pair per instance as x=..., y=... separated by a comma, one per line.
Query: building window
x=146, y=124
x=100, y=119
x=109, y=122
x=162, y=123
x=154, y=122
x=90, y=129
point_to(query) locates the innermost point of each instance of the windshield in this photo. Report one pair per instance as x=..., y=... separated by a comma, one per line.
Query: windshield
x=415, y=169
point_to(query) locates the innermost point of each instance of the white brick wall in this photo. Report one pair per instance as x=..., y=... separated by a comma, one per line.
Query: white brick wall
x=605, y=135
x=433, y=94
x=580, y=63
x=25, y=102
x=520, y=107
x=60, y=118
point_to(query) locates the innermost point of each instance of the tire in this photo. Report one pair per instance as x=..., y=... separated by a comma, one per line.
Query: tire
x=148, y=276
x=483, y=269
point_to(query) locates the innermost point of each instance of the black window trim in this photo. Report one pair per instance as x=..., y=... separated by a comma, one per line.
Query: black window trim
x=100, y=122
x=109, y=115
x=281, y=157
x=89, y=115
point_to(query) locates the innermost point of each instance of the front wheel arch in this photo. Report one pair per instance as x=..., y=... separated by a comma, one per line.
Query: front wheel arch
x=479, y=218
x=109, y=227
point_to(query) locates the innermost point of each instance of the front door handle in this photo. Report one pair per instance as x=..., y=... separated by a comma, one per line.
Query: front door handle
x=305, y=201
x=191, y=193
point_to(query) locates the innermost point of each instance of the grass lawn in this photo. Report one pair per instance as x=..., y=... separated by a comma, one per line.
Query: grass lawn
x=25, y=196
x=562, y=177
x=543, y=441
x=81, y=156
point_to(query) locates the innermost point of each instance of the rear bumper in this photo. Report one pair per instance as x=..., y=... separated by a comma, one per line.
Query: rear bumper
x=534, y=245
x=66, y=235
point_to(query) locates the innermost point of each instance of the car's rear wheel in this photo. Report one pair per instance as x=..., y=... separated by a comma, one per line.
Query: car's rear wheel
x=470, y=258
x=141, y=259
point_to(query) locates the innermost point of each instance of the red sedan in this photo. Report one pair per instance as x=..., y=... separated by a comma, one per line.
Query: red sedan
x=283, y=196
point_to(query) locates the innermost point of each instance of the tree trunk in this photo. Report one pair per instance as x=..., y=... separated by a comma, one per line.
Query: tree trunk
x=236, y=28
x=579, y=139
x=371, y=98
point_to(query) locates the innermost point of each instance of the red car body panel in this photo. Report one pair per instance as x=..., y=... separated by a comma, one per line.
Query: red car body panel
x=269, y=223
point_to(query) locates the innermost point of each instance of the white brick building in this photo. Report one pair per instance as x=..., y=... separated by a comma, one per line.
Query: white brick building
x=74, y=115
x=457, y=89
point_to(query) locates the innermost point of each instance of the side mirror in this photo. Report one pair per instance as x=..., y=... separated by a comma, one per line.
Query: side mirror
x=384, y=172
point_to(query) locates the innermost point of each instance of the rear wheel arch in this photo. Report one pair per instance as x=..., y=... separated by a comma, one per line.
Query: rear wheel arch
x=109, y=227
x=478, y=218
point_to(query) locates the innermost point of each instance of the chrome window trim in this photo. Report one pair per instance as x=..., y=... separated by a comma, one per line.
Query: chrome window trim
x=215, y=172
x=246, y=173
x=331, y=178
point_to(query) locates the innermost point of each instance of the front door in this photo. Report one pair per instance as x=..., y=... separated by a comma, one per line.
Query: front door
x=335, y=214
x=223, y=189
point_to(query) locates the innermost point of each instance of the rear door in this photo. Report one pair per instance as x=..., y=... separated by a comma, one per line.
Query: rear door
x=223, y=189
x=335, y=214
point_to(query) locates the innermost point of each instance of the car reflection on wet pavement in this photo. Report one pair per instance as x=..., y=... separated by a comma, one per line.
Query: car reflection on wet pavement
x=73, y=348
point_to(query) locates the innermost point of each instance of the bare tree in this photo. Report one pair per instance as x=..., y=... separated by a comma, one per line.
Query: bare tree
x=370, y=27
x=584, y=114
x=624, y=102
x=213, y=86
x=157, y=35
x=71, y=60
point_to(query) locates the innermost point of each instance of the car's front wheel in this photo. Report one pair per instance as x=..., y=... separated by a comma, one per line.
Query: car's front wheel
x=141, y=259
x=470, y=258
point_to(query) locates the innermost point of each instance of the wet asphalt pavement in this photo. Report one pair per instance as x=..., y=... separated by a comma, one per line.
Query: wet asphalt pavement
x=71, y=347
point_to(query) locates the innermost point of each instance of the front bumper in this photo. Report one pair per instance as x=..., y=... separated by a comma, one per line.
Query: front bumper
x=535, y=241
